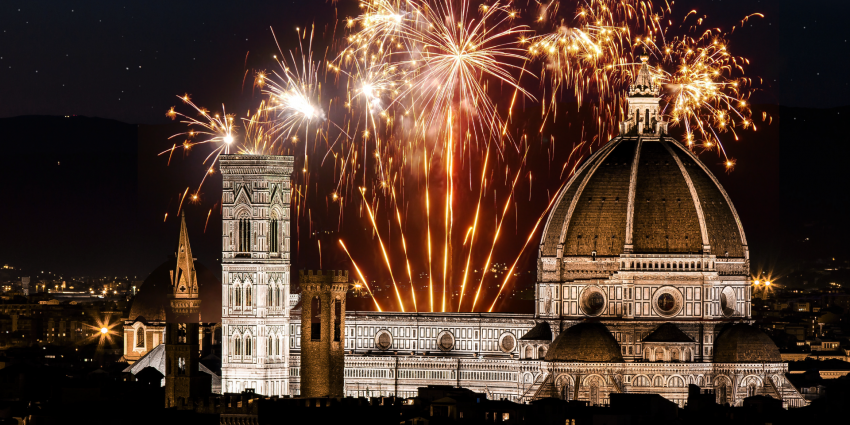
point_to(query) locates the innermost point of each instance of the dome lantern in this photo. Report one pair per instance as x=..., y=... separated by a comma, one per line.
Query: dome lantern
x=644, y=117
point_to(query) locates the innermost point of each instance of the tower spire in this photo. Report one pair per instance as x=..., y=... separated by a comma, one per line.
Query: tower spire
x=184, y=281
x=183, y=379
x=644, y=117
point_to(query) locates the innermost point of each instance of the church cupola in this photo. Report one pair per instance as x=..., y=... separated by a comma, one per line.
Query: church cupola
x=644, y=116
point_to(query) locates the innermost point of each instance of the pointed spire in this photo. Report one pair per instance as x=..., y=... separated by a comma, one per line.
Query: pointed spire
x=184, y=281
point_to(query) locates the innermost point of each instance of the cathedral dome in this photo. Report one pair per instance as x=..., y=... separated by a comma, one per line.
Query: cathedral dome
x=741, y=343
x=585, y=342
x=643, y=195
x=151, y=300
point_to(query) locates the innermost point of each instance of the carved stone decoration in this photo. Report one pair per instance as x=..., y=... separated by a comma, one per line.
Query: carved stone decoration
x=728, y=301
x=667, y=301
x=507, y=342
x=593, y=301
x=383, y=340
x=445, y=341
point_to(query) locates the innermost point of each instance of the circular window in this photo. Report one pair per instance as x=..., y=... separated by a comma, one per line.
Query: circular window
x=383, y=340
x=507, y=342
x=445, y=341
x=593, y=301
x=667, y=301
x=727, y=301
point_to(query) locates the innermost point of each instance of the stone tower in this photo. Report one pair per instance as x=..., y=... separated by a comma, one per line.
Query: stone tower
x=255, y=273
x=323, y=333
x=183, y=378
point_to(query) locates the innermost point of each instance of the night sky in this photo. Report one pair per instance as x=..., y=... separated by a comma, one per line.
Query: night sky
x=126, y=61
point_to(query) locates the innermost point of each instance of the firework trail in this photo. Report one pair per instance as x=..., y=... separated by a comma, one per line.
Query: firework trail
x=417, y=94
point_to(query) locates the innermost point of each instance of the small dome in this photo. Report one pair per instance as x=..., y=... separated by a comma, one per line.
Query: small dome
x=151, y=299
x=740, y=343
x=585, y=342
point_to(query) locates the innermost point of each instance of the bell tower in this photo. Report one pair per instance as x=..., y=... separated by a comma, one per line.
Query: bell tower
x=255, y=273
x=183, y=378
x=644, y=117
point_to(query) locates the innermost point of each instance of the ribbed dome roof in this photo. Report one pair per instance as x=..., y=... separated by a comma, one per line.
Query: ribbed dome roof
x=585, y=342
x=740, y=343
x=151, y=300
x=678, y=205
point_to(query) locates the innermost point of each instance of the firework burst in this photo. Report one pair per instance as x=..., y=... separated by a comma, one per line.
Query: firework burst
x=422, y=96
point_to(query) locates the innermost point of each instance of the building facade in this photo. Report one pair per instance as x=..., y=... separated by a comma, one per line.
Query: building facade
x=255, y=273
x=642, y=286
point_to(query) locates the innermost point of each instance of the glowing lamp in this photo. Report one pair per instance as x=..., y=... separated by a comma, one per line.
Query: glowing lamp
x=104, y=330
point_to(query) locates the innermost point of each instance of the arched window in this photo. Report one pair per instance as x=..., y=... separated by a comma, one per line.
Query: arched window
x=686, y=355
x=274, y=225
x=594, y=394
x=248, y=298
x=676, y=382
x=140, y=337
x=674, y=355
x=181, y=333
x=237, y=346
x=245, y=235
x=751, y=390
x=271, y=346
x=565, y=391
x=316, y=319
x=248, y=346
x=529, y=352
